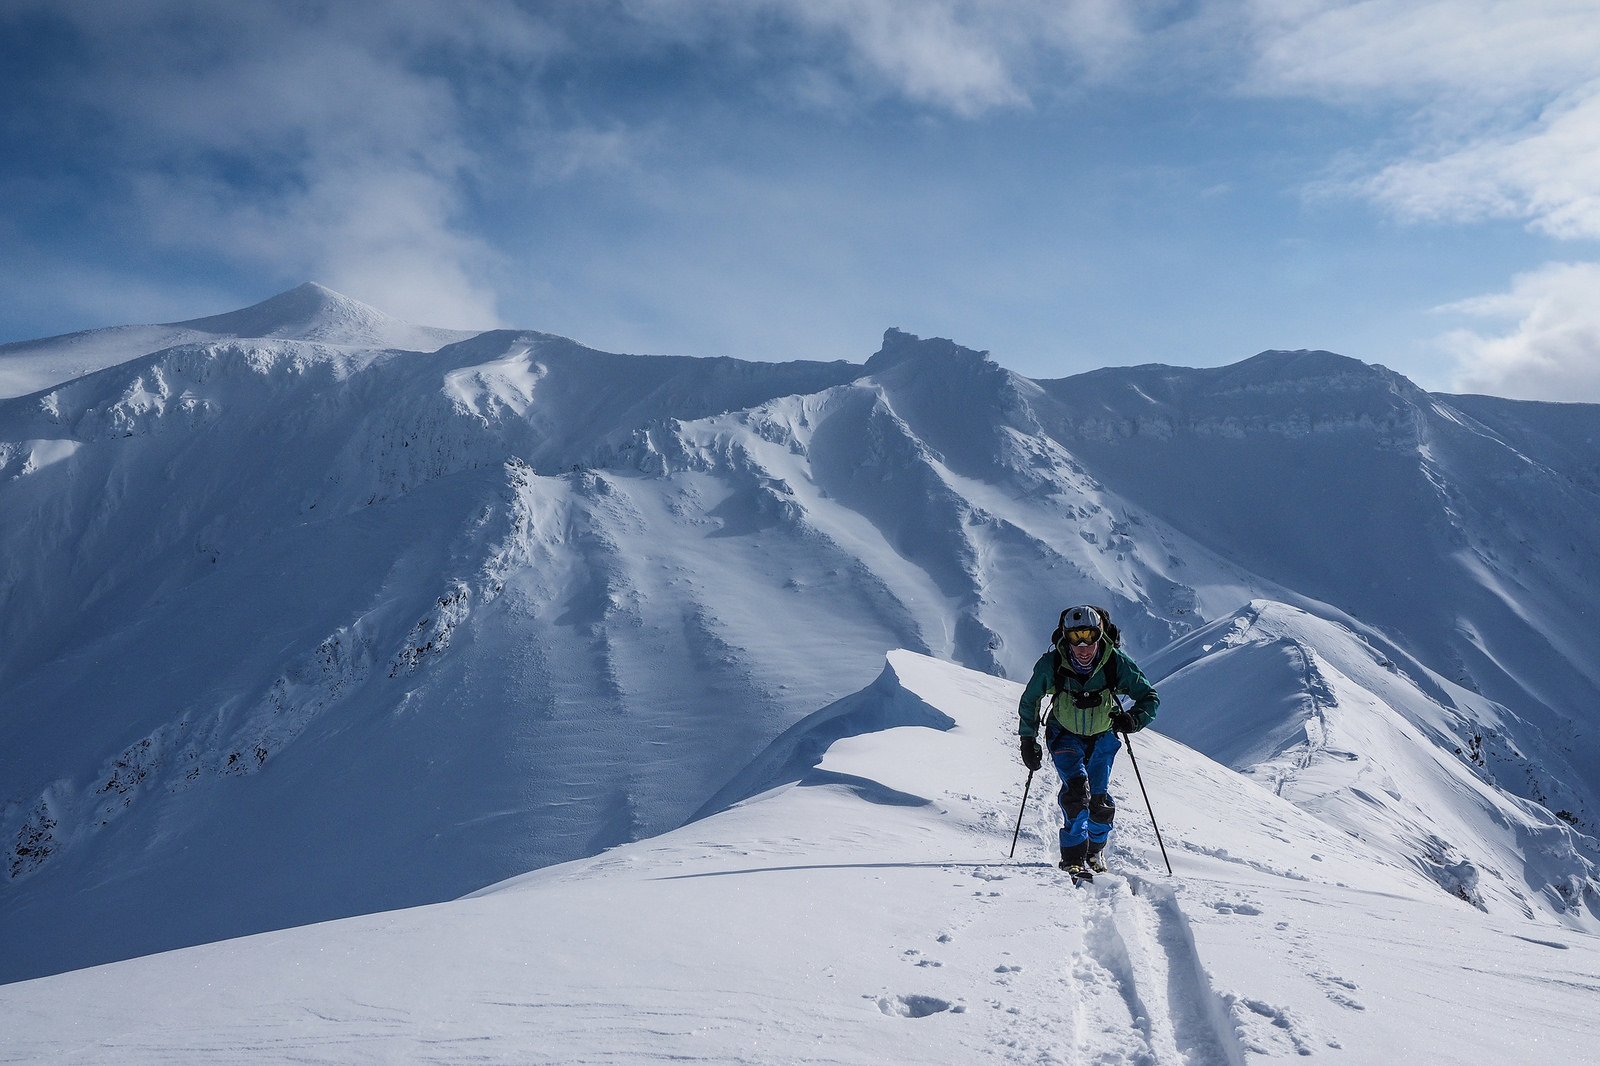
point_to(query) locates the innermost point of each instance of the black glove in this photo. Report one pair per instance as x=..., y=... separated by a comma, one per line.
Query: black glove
x=1032, y=756
x=1123, y=722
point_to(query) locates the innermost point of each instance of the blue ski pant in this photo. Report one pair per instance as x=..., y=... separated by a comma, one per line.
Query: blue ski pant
x=1084, y=764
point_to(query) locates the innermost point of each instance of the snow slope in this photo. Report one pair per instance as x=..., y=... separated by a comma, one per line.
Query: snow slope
x=862, y=910
x=1334, y=724
x=293, y=628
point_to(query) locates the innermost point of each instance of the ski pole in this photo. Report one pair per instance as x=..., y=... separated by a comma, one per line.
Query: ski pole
x=1128, y=740
x=1027, y=785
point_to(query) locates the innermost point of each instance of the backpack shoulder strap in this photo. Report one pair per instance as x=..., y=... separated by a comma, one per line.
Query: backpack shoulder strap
x=1110, y=670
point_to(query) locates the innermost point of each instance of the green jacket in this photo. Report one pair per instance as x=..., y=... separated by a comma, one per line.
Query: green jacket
x=1085, y=722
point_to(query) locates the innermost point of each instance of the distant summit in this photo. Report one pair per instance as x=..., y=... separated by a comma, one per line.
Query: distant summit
x=900, y=346
x=308, y=312
x=1303, y=366
x=313, y=312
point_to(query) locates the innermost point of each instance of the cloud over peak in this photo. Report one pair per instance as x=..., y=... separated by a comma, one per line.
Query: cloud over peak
x=1552, y=353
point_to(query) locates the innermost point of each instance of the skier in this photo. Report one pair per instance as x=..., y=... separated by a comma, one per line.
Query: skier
x=1083, y=672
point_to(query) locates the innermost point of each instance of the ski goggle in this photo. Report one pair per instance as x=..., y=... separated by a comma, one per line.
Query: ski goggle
x=1083, y=635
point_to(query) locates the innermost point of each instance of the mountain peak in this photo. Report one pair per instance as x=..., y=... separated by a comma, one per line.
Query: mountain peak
x=1278, y=366
x=313, y=312
x=900, y=346
x=305, y=312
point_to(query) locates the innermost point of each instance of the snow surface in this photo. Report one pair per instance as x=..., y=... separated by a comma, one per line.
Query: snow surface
x=311, y=624
x=863, y=910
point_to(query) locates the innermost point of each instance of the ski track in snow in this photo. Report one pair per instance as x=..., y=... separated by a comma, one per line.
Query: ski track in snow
x=1143, y=944
x=1133, y=993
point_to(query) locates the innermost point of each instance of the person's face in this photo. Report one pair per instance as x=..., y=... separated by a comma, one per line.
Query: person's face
x=1083, y=654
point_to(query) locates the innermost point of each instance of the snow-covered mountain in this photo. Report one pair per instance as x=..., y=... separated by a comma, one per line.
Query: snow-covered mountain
x=300, y=621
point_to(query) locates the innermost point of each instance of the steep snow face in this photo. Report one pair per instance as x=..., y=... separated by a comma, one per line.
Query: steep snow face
x=292, y=629
x=859, y=907
x=1345, y=726
x=361, y=642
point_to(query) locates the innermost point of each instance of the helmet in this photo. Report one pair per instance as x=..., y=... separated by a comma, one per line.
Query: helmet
x=1084, y=623
x=1074, y=617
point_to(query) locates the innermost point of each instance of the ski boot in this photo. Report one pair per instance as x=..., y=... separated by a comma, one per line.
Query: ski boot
x=1075, y=862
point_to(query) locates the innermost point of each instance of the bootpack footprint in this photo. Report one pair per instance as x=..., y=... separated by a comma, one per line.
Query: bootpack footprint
x=1332, y=988
x=1269, y=1030
x=916, y=1006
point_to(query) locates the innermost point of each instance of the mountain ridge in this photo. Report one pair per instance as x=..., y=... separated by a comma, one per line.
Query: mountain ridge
x=423, y=620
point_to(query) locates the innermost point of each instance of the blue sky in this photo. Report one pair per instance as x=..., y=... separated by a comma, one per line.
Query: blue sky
x=1069, y=185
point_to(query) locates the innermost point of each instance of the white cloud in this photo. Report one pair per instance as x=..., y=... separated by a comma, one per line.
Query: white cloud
x=1500, y=118
x=1552, y=353
x=965, y=57
x=1547, y=172
x=938, y=53
x=1503, y=98
x=317, y=142
x=384, y=236
x=346, y=142
x=1477, y=50
x=360, y=169
x=339, y=142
